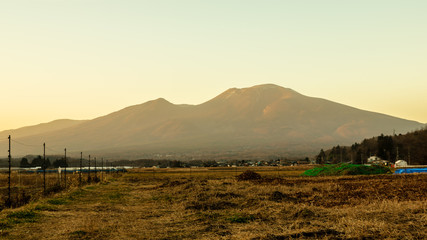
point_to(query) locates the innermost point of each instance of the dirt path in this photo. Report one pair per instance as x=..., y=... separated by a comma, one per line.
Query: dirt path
x=105, y=211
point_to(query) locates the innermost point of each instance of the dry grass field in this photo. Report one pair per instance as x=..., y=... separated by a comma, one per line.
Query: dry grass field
x=213, y=204
x=27, y=187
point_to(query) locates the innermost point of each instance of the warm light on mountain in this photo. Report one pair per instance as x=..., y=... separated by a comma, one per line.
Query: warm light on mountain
x=265, y=118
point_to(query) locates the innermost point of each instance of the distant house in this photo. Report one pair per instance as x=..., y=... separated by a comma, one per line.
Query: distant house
x=401, y=163
x=304, y=161
x=373, y=159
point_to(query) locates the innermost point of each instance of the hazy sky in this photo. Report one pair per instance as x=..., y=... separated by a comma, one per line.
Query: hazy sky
x=81, y=59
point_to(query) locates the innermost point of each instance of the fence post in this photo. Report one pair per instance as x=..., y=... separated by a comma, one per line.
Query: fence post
x=95, y=171
x=9, y=202
x=102, y=169
x=44, y=168
x=88, y=177
x=65, y=170
x=59, y=176
x=80, y=176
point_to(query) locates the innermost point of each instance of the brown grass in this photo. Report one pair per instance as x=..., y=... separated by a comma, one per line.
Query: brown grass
x=140, y=205
x=27, y=187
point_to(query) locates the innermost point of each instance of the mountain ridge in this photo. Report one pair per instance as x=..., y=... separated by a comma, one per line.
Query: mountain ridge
x=41, y=127
x=269, y=118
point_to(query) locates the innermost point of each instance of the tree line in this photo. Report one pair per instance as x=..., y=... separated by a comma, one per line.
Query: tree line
x=51, y=162
x=410, y=147
x=40, y=162
x=166, y=163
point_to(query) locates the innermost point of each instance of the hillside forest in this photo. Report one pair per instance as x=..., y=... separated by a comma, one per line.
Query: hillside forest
x=410, y=147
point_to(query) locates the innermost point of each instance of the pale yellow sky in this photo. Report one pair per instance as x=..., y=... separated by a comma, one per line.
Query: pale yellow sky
x=82, y=59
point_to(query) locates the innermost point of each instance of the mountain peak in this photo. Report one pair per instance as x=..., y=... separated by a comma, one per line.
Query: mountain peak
x=264, y=91
x=272, y=87
x=266, y=86
x=159, y=102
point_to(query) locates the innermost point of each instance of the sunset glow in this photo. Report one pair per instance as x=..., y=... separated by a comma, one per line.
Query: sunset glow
x=82, y=59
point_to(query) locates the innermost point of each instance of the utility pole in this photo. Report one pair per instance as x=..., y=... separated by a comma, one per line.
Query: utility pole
x=65, y=171
x=9, y=203
x=397, y=154
x=102, y=169
x=88, y=177
x=80, y=176
x=44, y=167
x=95, y=169
x=409, y=156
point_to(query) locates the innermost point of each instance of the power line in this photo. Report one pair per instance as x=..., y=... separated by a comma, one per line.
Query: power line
x=24, y=144
x=52, y=150
x=35, y=146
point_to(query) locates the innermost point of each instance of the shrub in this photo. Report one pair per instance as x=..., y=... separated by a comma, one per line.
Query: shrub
x=346, y=169
x=248, y=175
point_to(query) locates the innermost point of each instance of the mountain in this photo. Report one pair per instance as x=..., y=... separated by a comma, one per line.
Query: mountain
x=255, y=122
x=40, y=128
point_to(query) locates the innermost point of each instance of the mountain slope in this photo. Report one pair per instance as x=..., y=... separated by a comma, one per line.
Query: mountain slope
x=40, y=128
x=264, y=119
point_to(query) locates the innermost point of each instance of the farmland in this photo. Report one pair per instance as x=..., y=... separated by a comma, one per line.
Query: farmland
x=214, y=204
x=28, y=186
